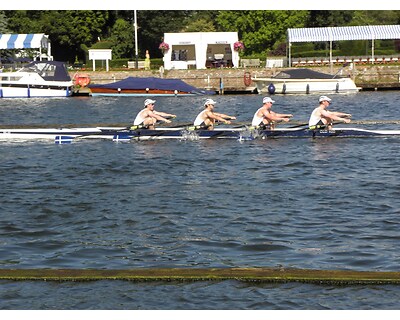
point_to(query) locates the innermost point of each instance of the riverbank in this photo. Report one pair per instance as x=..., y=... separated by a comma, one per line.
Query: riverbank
x=232, y=80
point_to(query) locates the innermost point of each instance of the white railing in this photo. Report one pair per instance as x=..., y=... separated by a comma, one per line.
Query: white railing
x=345, y=59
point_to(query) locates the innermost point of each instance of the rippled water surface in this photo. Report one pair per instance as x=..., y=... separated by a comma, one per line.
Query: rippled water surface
x=296, y=203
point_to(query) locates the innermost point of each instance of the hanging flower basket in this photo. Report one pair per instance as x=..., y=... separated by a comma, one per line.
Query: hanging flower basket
x=164, y=47
x=238, y=46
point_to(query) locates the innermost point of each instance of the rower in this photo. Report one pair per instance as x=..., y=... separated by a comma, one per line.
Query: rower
x=207, y=118
x=265, y=118
x=148, y=117
x=322, y=118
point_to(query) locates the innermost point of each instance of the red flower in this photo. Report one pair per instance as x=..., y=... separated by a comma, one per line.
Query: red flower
x=238, y=46
x=163, y=46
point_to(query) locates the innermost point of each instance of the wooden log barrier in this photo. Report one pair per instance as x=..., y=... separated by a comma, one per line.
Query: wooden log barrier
x=271, y=275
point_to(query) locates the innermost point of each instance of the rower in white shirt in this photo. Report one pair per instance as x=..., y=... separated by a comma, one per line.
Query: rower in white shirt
x=320, y=117
x=207, y=117
x=266, y=118
x=148, y=116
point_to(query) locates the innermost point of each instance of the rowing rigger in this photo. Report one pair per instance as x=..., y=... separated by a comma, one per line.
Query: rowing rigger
x=67, y=135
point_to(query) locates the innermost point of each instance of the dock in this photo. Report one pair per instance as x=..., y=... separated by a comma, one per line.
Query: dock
x=238, y=80
x=81, y=91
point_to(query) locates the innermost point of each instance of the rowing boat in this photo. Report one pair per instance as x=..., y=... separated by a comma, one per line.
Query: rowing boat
x=249, y=134
x=67, y=135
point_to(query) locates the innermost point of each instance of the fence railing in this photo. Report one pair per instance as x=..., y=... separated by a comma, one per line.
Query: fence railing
x=345, y=59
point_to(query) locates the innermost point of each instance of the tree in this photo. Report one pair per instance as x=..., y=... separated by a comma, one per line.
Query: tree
x=261, y=30
x=200, y=25
x=67, y=30
x=373, y=17
x=331, y=18
x=3, y=23
x=122, y=39
x=153, y=24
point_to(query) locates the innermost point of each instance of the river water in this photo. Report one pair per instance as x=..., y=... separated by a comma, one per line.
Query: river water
x=296, y=203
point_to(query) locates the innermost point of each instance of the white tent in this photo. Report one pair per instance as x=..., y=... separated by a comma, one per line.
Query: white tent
x=330, y=34
x=26, y=41
x=199, y=49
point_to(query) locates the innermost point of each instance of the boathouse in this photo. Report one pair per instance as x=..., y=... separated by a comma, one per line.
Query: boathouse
x=200, y=50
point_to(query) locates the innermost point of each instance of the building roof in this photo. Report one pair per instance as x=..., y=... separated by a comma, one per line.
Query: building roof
x=344, y=33
x=23, y=41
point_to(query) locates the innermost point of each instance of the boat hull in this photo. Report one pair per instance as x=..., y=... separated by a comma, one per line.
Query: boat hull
x=25, y=91
x=137, y=93
x=38, y=79
x=305, y=86
x=47, y=133
x=62, y=135
x=147, y=86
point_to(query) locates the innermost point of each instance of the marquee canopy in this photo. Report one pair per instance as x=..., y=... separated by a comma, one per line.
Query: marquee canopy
x=26, y=41
x=330, y=34
x=23, y=41
x=344, y=33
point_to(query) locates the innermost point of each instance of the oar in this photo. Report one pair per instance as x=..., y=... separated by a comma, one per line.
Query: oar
x=178, y=125
x=299, y=125
x=324, y=126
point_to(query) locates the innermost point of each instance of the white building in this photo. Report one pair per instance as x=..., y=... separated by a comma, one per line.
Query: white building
x=200, y=50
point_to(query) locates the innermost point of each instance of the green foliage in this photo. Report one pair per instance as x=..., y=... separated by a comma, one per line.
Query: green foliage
x=331, y=18
x=153, y=24
x=3, y=23
x=260, y=30
x=103, y=45
x=200, y=25
x=122, y=40
x=67, y=29
x=374, y=17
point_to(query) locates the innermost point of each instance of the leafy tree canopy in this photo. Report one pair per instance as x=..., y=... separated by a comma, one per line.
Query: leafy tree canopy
x=260, y=30
x=3, y=23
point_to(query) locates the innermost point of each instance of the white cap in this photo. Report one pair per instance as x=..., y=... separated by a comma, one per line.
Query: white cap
x=149, y=101
x=324, y=98
x=209, y=101
x=268, y=99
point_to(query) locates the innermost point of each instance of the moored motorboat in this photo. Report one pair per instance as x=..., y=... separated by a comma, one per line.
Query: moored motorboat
x=297, y=81
x=148, y=86
x=37, y=79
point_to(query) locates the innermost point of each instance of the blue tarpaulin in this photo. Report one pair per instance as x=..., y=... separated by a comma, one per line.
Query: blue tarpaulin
x=151, y=83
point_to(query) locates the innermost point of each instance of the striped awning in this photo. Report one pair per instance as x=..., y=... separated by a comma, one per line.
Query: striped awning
x=344, y=33
x=23, y=41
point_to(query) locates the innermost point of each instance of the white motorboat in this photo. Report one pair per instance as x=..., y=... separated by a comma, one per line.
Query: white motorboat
x=299, y=81
x=37, y=79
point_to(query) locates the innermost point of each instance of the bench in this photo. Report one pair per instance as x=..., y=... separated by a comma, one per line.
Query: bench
x=250, y=63
x=132, y=64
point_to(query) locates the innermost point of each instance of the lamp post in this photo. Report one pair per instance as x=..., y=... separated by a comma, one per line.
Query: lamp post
x=136, y=41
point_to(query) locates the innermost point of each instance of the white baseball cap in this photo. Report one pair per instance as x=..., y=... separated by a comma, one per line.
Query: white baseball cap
x=149, y=101
x=268, y=99
x=209, y=101
x=324, y=98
